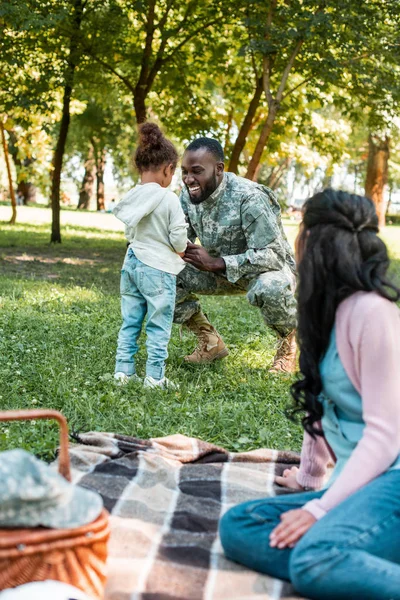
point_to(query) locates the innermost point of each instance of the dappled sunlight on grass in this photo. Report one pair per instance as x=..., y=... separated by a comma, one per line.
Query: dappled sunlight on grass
x=93, y=234
x=255, y=358
x=49, y=260
x=36, y=293
x=79, y=260
x=68, y=297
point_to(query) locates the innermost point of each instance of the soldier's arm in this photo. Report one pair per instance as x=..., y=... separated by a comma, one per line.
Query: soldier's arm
x=265, y=245
x=191, y=234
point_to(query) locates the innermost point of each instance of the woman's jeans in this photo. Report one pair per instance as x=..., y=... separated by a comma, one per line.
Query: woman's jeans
x=145, y=290
x=351, y=553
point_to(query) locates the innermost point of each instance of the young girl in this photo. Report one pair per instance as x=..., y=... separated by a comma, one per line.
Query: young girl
x=157, y=232
x=341, y=542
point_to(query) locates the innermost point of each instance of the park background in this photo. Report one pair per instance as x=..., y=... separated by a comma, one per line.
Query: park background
x=302, y=95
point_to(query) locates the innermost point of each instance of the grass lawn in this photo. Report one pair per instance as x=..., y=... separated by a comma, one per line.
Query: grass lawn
x=59, y=321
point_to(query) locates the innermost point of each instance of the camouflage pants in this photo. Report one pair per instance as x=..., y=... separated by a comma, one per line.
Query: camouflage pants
x=271, y=292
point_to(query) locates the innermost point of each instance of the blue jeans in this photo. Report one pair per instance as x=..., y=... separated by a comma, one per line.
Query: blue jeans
x=351, y=553
x=145, y=290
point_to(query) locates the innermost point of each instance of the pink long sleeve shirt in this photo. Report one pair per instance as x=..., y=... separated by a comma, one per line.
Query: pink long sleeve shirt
x=368, y=342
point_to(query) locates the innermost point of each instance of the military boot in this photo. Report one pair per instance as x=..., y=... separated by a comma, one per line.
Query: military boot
x=285, y=357
x=211, y=346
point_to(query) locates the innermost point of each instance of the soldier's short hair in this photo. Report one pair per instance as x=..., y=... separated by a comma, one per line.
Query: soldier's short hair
x=210, y=144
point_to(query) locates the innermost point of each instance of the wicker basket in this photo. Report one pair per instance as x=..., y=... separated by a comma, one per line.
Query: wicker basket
x=75, y=556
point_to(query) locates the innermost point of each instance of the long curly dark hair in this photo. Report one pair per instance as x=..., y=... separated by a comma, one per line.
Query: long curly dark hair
x=339, y=254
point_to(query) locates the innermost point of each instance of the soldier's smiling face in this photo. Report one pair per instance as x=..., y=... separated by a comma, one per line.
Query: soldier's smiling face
x=201, y=173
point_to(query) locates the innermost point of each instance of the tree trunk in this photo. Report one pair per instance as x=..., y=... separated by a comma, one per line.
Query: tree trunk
x=73, y=60
x=377, y=172
x=57, y=164
x=327, y=181
x=229, y=124
x=100, y=166
x=27, y=190
x=86, y=190
x=10, y=183
x=389, y=203
x=262, y=140
x=245, y=128
x=273, y=103
x=139, y=103
x=276, y=174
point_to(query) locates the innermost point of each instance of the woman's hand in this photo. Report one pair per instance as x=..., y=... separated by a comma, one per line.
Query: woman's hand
x=289, y=479
x=294, y=524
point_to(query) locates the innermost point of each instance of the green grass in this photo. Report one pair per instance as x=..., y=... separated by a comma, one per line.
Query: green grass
x=59, y=319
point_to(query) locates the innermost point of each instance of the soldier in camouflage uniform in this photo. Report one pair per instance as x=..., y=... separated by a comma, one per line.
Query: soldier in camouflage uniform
x=243, y=250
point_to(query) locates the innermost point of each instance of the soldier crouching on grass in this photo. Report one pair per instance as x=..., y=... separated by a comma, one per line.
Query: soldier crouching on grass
x=244, y=250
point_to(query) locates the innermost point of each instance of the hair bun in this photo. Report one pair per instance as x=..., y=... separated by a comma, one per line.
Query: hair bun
x=154, y=150
x=150, y=136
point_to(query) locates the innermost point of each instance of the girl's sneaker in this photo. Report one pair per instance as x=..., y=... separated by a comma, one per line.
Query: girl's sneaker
x=163, y=383
x=122, y=379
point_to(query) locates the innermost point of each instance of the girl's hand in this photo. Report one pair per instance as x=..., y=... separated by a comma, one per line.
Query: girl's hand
x=289, y=479
x=181, y=254
x=294, y=524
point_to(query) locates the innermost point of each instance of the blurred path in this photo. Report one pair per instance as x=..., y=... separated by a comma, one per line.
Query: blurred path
x=42, y=216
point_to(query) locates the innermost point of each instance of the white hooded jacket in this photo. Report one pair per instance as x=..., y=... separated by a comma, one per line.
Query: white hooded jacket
x=155, y=226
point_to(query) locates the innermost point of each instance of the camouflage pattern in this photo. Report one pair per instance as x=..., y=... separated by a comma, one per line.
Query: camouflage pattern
x=241, y=222
x=33, y=494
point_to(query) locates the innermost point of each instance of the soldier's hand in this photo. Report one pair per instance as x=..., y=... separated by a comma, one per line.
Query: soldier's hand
x=198, y=257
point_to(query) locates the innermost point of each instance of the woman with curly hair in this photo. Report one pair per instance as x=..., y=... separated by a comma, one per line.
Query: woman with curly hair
x=338, y=540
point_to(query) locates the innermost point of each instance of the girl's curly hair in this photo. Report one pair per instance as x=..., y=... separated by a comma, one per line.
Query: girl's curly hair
x=154, y=149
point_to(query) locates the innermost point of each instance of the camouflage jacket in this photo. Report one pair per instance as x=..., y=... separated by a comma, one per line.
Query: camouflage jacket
x=241, y=222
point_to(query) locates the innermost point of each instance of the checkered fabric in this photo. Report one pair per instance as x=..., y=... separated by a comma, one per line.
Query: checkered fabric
x=166, y=497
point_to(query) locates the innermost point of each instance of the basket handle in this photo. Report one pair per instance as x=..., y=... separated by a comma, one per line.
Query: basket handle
x=64, y=467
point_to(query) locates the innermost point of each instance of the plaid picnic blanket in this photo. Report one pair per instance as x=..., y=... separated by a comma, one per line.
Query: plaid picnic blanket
x=166, y=497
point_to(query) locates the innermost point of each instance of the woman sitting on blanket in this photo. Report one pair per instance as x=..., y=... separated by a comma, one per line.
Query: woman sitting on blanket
x=343, y=540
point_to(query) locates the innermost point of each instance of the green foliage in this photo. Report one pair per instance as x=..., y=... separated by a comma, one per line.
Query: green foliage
x=193, y=68
x=27, y=72
x=344, y=53
x=108, y=122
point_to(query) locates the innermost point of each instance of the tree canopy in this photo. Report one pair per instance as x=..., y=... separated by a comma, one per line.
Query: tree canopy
x=291, y=89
